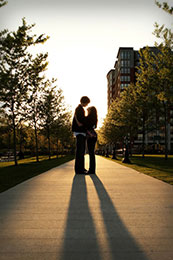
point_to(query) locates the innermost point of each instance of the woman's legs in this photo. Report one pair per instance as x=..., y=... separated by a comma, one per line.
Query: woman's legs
x=91, y=149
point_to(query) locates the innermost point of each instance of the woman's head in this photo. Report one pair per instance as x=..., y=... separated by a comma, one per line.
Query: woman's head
x=92, y=114
x=92, y=110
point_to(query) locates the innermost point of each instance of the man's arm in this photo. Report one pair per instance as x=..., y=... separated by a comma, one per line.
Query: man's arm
x=79, y=115
x=77, y=121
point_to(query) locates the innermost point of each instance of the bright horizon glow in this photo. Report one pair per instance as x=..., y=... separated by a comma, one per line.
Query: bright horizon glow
x=84, y=39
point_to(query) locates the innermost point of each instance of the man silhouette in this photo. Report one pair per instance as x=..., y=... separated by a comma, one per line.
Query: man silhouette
x=80, y=133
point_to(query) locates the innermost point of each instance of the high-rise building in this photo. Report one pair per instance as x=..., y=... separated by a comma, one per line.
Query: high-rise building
x=111, y=87
x=123, y=72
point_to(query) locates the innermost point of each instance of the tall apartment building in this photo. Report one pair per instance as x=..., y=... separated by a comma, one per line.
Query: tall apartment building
x=123, y=73
x=111, y=86
x=119, y=78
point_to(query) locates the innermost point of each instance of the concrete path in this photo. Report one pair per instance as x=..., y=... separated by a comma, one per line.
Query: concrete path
x=118, y=214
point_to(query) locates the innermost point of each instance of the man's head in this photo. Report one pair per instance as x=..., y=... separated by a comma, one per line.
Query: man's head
x=84, y=101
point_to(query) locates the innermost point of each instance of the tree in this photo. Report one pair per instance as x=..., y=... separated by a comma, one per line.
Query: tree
x=14, y=71
x=61, y=132
x=164, y=88
x=21, y=134
x=155, y=79
x=52, y=109
x=33, y=108
x=165, y=68
x=122, y=118
x=146, y=99
x=154, y=82
x=5, y=132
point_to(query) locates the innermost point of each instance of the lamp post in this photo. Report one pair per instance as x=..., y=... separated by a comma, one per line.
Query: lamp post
x=126, y=157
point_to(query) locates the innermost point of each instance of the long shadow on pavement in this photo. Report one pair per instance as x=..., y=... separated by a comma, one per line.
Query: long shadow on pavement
x=80, y=241
x=122, y=244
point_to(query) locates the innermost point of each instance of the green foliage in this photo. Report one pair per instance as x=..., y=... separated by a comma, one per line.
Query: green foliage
x=55, y=119
x=155, y=80
x=122, y=118
x=14, y=66
x=14, y=76
x=36, y=86
x=165, y=7
x=33, y=106
x=161, y=32
x=52, y=107
x=2, y=3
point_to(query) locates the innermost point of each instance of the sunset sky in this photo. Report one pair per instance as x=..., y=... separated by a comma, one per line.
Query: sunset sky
x=85, y=37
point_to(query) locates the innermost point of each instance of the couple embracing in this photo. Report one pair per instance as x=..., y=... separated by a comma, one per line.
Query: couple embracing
x=83, y=128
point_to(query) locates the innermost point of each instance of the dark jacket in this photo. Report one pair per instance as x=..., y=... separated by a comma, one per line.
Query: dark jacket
x=80, y=114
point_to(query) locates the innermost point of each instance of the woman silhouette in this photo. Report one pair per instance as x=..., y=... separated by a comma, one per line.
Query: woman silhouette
x=91, y=124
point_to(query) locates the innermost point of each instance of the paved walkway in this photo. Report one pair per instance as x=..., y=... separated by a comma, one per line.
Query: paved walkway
x=118, y=214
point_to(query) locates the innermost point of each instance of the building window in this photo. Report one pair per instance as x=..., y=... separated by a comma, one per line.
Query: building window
x=125, y=70
x=122, y=63
x=125, y=78
x=125, y=55
x=129, y=54
x=122, y=55
x=125, y=63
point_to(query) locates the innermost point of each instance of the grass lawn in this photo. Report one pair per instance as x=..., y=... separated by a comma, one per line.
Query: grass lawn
x=152, y=165
x=11, y=175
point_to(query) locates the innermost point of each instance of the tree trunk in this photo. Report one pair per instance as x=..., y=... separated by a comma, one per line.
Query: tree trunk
x=36, y=141
x=9, y=143
x=166, y=132
x=157, y=128
x=14, y=137
x=20, y=141
x=143, y=136
x=48, y=136
x=114, y=152
x=57, y=146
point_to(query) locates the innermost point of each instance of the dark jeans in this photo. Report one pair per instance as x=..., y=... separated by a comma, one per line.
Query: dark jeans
x=91, y=142
x=80, y=152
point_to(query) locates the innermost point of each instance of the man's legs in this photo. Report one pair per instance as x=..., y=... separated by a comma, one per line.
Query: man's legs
x=80, y=152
